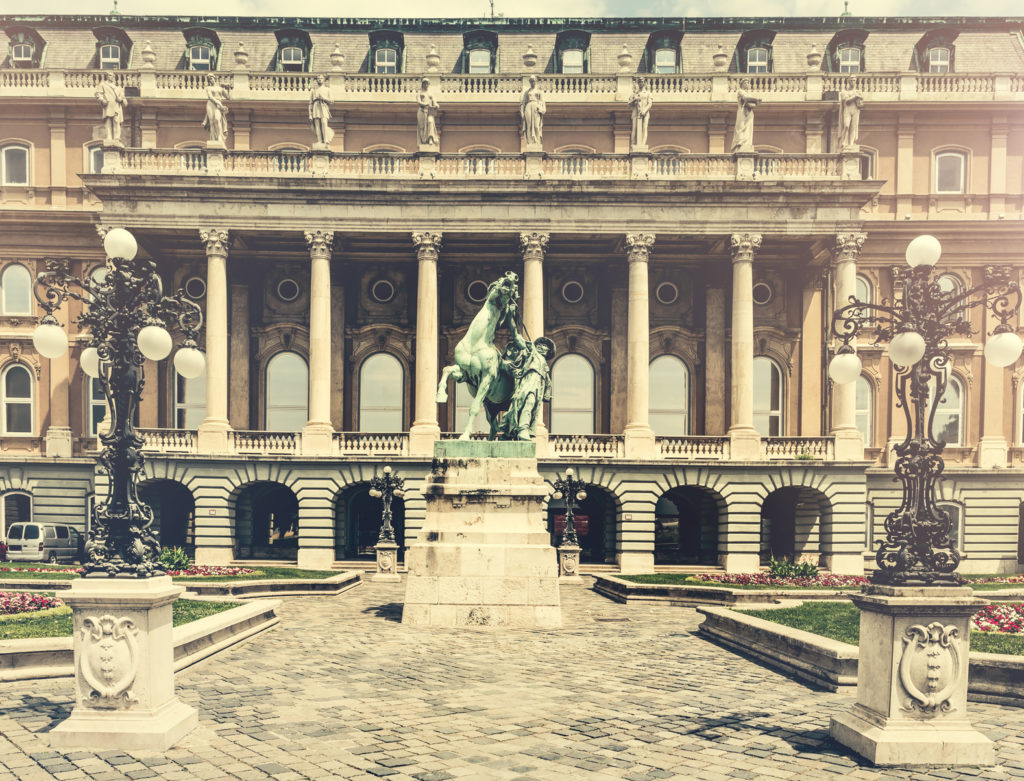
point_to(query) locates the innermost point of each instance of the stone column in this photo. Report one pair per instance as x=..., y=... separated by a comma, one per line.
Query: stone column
x=425, y=430
x=213, y=431
x=639, y=438
x=849, y=442
x=57, y=439
x=533, y=247
x=714, y=362
x=811, y=345
x=744, y=441
x=993, y=448
x=318, y=434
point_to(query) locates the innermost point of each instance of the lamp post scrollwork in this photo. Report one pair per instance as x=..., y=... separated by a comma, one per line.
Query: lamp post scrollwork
x=385, y=487
x=572, y=490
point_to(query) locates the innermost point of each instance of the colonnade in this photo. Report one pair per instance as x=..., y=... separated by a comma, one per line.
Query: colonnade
x=639, y=440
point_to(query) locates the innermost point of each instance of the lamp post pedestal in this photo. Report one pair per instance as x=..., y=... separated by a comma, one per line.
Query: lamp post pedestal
x=912, y=679
x=124, y=667
x=387, y=563
x=569, y=563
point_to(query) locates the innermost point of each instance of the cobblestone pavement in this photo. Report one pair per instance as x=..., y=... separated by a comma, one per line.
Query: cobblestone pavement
x=340, y=689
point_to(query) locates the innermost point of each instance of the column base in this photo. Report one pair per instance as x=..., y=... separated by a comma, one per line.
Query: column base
x=639, y=442
x=317, y=439
x=843, y=563
x=745, y=445
x=387, y=563
x=315, y=558
x=992, y=452
x=58, y=442
x=635, y=563
x=214, y=557
x=422, y=437
x=849, y=445
x=739, y=562
x=125, y=731
x=212, y=436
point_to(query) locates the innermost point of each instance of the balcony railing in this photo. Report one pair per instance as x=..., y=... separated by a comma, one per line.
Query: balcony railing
x=353, y=443
x=800, y=448
x=586, y=445
x=168, y=440
x=268, y=443
x=693, y=447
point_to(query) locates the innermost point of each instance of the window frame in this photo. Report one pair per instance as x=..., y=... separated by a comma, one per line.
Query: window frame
x=12, y=145
x=5, y=401
x=555, y=409
x=266, y=393
x=953, y=381
x=948, y=64
x=757, y=67
x=208, y=60
x=658, y=66
x=684, y=394
x=92, y=403
x=292, y=66
x=868, y=413
x=362, y=408
x=182, y=407
x=941, y=154
x=772, y=412
x=849, y=67
x=470, y=53
x=9, y=269
x=379, y=67
x=581, y=66
x=20, y=62
x=104, y=60
x=90, y=151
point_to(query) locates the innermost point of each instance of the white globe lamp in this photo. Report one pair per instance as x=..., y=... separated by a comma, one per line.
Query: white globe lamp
x=154, y=342
x=844, y=368
x=1003, y=349
x=90, y=361
x=906, y=348
x=189, y=362
x=50, y=340
x=923, y=251
x=119, y=243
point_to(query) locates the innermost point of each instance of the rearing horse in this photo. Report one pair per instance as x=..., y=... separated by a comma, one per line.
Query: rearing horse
x=478, y=362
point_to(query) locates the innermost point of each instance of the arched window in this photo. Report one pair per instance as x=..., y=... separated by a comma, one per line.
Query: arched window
x=862, y=290
x=16, y=398
x=572, y=49
x=201, y=49
x=16, y=290
x=936, y=51
x=386, y=47
x=754, y=52
x=462, y=402
x=293, y=48
x=17, y=508
x=572, y=401
x=955, y=511
x=287, y=392
x=865, y=408
x=948, y=424
x=479, y=52
x=669, y=397
x=950, y=172
x=662, y=52
x=845, y=52
x=97, y=406
x=381, y=394
x=14, y=164
x=189, y=401
x=950, y=284
x=767, y=397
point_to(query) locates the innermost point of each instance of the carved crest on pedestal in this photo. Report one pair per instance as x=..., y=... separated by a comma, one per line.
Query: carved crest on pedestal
x=930, y=667
x=108, y=661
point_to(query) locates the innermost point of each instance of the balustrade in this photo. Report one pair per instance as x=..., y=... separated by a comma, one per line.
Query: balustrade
x=694, y=447
x=381, y=84
x=672, y=84
x=16, y=78
x=693, y=167
x=587, y=445
x=263, y=442
x=507, y=86
x=354, y=443
x=168, y=440
x=281, y=82
x=954, y=84
x=800, y=448
x=589, y=84
x=90, y=79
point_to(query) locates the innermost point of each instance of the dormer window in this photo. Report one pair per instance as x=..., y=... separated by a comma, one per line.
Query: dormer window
x=292, y=58
x=386, y=61
x=938, y=59
x=849, y=60
x=757, y=59
x=293, y=50
x=665, y=61
x=661, y=55
x=572, y=49
x=21, y=55
x=112, y=47
x=935, y=52
x=479, y=61
x=201, y=49
x=386, y=51
x=572, y=61
x=479, y=52
x=845, y=52
x=110, y=56
x=200, y=57
x=754, y=52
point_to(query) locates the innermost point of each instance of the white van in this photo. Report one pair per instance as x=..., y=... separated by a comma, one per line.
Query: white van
x=52, y=542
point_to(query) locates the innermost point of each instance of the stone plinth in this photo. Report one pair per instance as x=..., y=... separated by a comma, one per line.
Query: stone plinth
x=124, y=667
x=912, y=679
x=483, y=557
x=387, y=563
x=569, y=564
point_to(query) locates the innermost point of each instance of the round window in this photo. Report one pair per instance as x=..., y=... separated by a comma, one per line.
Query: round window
x=476, y=291
x=382, y=291
x=666, y=293
x=195, y=287
x=287, y=289
x=763, y=293
x=572, y=292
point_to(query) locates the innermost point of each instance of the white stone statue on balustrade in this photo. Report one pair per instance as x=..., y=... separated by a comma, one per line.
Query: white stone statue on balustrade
x=426, y=117
x=531, y=113
x=641, y=102
x=216, y=120
x=112, y=99
x=850, y=104
x=320, y=112
x=743, y=131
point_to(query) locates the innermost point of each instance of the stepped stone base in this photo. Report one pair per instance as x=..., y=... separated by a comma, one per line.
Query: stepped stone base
x=484, y=557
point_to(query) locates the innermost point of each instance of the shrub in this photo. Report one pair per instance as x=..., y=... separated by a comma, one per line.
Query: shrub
x=784, y=568
x=175, y=558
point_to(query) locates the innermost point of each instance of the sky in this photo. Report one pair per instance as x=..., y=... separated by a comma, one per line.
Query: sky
x=516, y=8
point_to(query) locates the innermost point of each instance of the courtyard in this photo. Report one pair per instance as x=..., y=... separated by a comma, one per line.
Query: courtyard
x=341, y=689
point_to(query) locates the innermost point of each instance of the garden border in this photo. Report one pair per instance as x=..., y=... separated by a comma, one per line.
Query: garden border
x=630, y=593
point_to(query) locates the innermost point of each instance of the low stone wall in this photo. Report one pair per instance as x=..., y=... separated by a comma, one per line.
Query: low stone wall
x=53, y=657
x=832, y=665
x=631, y=593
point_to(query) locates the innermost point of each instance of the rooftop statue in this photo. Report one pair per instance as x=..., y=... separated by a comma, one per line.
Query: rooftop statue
x=531, y=113
x=320, y=111
x=426, y=116
x=516, y=382
x=216, y=120
x=641, y=102
x=743, y=131
x=850, y=103
x=112, y=99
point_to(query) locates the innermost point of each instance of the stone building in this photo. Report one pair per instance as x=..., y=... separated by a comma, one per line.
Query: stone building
x=687, y=288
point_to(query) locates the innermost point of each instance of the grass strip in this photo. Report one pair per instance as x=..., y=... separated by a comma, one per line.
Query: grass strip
x=18, y=571
x=680, y=579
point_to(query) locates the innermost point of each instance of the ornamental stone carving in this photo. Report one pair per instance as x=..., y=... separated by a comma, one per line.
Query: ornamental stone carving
x=427, y=243
x=848, y=246
x=743, y=246
x=533, y=245
x=108, y=661
x=639, y=246
x=930, y=667
x=320, y=243
x=216, y=241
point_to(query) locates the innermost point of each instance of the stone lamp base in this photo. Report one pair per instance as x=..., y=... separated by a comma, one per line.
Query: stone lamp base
x=569, y=564
x=124, y=667
x=912, y=679
x=387, y=563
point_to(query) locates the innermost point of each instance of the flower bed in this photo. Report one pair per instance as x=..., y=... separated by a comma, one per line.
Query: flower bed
x=1008, y=579
x=1004, y=617
x=14, y=602
x=196, y=571
x=821, y=580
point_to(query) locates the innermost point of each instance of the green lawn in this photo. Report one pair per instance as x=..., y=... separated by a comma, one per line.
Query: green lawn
x=841, y=621
x=58, y=622
x=18, y=570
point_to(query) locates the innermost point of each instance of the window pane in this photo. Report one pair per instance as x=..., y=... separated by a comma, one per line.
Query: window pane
x=665, y=61
x=767, y=397
x=572, y=402
x=199, y=58
x=948, y=422
x=938, y=60
x=863, y=291
x=287, y=392
x=757, y=60
x=849, y=60
x=291, y=54
x=669, y=394
x=381, y=394
x=386, y=61
x=479, y=61
x=16, y=283
x=15, y=165
x=17, y=383
x=864, y=409
x=190, y=401
x=96, y=160
x=954, y=512
x=19, y=418
x=572, y=61
x=110, y=57
x=949, y=169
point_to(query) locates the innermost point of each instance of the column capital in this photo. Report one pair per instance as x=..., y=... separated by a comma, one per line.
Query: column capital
x=848, y=246
x=743, y=246
x=533, y=245
x=319, y=242
x=639, y=246
x=427, y=243
x=103, y=230
x=216, y=241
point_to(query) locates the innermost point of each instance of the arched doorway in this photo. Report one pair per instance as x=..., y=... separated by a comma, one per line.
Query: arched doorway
x=174, y=513
x=793, y=521
x=594, y=524
x=357, y=521
x=267, y=522
x=686, y=526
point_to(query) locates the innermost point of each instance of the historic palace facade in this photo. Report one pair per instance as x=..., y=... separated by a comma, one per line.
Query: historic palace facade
x=685, y=202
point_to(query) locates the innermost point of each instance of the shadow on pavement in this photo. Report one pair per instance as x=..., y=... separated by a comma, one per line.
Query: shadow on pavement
x=389, y=612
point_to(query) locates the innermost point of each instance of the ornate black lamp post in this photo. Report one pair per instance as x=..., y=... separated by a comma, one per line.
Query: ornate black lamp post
x=127, y=316
x=918, y=548
x=385, y=487
x=572, y=490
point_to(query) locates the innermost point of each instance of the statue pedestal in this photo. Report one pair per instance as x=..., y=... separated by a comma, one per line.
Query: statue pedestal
x=912, y=679
x=569, y=564
x=124, y=667
x=387, y=563
x=483, y=557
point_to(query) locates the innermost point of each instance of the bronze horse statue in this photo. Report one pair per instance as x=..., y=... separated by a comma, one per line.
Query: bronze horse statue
x=478, y=363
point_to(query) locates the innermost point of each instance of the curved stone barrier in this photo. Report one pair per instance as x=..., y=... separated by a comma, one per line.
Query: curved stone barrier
x=630, y=593
x=832, y=665
x=52, y=657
